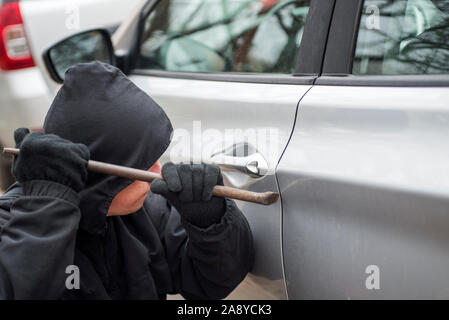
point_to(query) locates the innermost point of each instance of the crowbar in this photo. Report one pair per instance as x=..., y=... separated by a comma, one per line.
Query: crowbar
x=265, y=198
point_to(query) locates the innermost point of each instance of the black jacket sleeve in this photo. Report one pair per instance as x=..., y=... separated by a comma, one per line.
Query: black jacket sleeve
x=207, y=263
x=37, y=240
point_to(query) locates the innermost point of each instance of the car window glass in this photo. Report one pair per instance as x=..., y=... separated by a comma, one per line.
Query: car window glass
x=260, y=36
x=403, y=37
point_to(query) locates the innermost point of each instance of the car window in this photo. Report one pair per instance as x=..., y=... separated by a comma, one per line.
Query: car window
x=403, y=37
x=259, y=36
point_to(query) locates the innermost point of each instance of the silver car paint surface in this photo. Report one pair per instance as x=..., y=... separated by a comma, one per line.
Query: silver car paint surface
x=365, y=181
x=226, y=106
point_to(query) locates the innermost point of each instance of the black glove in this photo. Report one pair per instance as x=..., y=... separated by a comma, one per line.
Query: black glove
x=188, y=187
x=49, y=157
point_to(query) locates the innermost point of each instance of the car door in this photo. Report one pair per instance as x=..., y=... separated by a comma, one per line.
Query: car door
x=230, y=74
x=365, y=177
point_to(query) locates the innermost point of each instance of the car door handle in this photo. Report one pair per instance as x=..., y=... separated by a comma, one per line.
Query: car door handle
x=253, y=165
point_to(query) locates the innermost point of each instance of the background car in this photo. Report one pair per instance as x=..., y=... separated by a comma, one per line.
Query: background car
x=27, y=28
x=341, y=106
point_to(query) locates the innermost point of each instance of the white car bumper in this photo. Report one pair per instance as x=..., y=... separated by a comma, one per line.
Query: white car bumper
x=24, y=101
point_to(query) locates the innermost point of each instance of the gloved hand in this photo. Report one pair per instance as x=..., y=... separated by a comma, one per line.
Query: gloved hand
x=49, y=157
x=188, y=187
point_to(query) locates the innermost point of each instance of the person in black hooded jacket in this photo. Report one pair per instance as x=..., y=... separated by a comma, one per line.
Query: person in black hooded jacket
x=127, y=242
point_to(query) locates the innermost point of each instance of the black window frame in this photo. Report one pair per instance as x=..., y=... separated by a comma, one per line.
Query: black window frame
x=308, y=64
x=340, y=51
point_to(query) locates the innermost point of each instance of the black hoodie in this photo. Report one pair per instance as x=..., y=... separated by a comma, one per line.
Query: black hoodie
x=44, y=228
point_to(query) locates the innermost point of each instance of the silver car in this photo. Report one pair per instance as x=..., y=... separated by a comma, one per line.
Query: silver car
x=341, y=106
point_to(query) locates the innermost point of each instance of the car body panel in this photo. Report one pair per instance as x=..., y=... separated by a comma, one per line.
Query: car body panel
x=365, y=181
x=23, y=93
x=197, y=107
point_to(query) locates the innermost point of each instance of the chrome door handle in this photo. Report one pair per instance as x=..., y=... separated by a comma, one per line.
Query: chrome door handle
x=253, y=165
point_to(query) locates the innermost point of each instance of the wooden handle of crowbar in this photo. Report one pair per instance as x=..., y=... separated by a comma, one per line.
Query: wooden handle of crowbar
x=265, y=198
